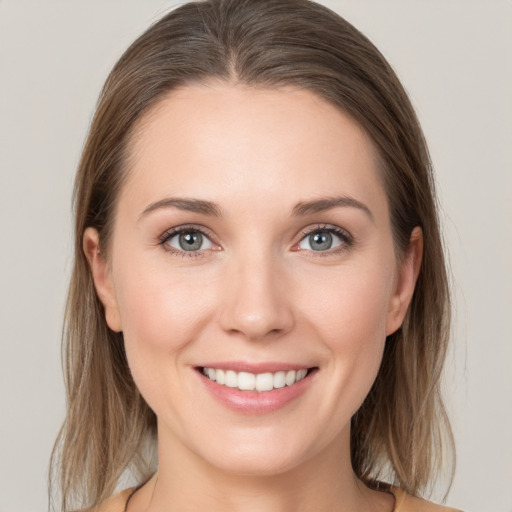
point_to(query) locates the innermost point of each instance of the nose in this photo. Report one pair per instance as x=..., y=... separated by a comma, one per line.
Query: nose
x=256, y=302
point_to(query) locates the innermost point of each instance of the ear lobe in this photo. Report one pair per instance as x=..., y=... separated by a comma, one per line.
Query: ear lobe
x=102, y=278
x=406, y=281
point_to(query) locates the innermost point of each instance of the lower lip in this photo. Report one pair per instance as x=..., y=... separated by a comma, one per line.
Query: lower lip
x=256, y=402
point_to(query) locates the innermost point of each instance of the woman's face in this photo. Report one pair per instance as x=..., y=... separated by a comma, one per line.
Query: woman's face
x=252, y=242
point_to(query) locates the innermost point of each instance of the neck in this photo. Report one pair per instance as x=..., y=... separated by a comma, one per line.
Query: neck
x=186, y=483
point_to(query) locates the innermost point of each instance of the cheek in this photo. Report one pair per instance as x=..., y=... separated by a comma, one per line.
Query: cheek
x=351, y=305
x=160, y=310
x=161, y=313
x=350, y=314
x=160, y=318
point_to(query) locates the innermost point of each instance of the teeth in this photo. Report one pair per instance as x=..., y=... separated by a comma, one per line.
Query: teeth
x=300, y=375
x=246, y=381
x=264, y=382
x=231, y=379
x=279, y=379
x=290, y=378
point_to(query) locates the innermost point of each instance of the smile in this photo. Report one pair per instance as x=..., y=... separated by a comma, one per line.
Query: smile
x=246, y=381
x=255, y=388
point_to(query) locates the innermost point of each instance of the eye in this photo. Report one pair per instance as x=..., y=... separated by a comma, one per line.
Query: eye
x=324, y=239
x=189, y=240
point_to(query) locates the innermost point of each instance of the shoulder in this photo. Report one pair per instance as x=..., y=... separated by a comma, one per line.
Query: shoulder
x=116, y=503
x=404, y=503
x=407, y=503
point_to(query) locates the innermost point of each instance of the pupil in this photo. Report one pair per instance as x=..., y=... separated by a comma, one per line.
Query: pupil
x=321, y=241
x=191, y=241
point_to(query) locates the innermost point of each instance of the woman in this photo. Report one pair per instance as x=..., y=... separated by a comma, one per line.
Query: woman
x=259, y=292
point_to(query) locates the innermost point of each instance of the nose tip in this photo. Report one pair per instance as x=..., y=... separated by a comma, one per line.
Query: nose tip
x=256, y=326
x=256, y=305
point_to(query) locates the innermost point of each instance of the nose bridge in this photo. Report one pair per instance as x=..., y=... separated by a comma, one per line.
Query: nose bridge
x=255, y=302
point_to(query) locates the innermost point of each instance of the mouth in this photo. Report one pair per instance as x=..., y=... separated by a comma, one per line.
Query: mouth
x=260, y=382
x=256, y=388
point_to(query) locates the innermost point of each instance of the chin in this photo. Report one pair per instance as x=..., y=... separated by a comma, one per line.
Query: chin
x=262, y=452
x=254, y=463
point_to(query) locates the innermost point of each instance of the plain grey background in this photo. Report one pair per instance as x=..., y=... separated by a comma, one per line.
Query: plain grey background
x=455, y=59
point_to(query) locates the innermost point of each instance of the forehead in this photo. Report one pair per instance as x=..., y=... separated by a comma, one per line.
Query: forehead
x=219, y=141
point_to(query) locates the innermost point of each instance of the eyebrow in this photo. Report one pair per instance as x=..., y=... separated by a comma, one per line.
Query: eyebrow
x=301, y=209
x=327, y=203
x=190, y=205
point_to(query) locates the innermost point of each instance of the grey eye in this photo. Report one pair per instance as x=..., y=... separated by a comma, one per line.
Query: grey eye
x=320, y=241
x=190, y=241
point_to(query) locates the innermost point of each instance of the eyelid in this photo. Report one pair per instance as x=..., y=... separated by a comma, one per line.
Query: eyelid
x=186, y=227
x=176, y=230
x=345, y=236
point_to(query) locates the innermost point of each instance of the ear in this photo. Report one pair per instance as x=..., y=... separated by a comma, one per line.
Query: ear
x=102, y=278
x=406, y=281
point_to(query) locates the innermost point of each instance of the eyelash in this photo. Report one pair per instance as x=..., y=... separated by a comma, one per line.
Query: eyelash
x=345, y=237
x=169, y=234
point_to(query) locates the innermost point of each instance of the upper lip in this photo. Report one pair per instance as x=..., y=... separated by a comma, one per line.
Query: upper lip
x=263, y=367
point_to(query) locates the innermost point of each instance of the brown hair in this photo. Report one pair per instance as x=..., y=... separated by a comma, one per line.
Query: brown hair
x=397, y=433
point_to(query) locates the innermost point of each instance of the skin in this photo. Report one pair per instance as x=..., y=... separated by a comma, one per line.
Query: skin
x=258, y=292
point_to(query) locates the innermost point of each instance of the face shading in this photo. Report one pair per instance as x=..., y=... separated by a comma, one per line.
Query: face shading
x=253, y=274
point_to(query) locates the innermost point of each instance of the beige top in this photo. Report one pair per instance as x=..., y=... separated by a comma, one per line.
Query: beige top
x=403, y=503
